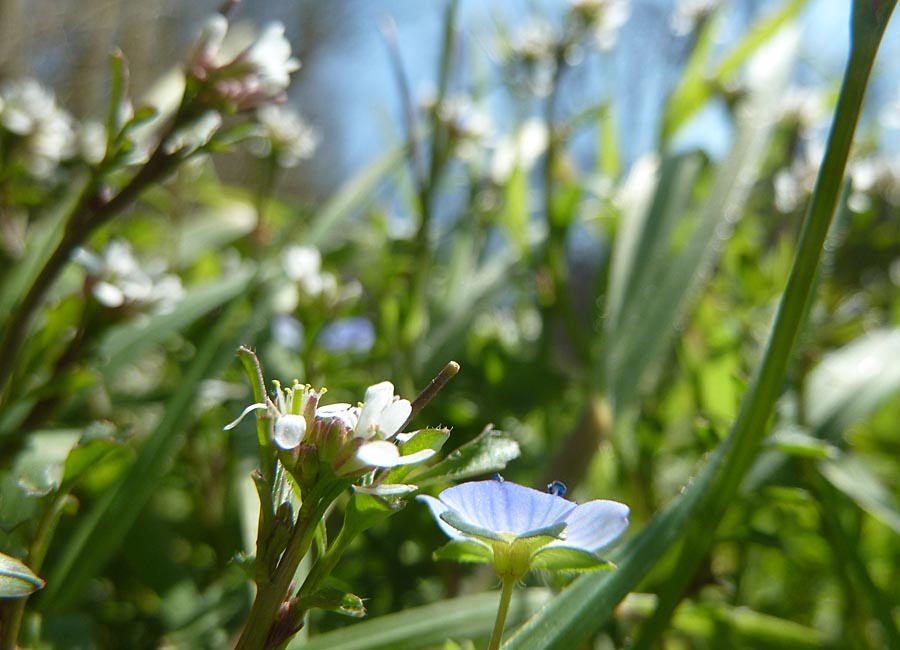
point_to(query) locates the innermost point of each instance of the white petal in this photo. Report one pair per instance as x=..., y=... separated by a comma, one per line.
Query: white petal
x=379, y=453
x=290, y=430
x=378, y=398
x=390, y=489
x=249, y=409
x=393, y=417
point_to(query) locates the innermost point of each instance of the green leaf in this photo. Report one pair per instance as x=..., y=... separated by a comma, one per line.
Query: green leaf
x=428, y=626
x=562, y=558
x=337, y=600
x=851, y=475
x=465, y=551
x=16, y=579
x=793, y=442
x=363, y=512
x=486, y=454
x=850, y=383
x=424, y=439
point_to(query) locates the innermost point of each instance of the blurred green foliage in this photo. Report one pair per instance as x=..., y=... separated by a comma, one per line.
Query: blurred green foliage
x=609, y=320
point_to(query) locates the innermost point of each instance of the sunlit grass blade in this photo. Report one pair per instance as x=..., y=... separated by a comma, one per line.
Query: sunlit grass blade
x=127, y=342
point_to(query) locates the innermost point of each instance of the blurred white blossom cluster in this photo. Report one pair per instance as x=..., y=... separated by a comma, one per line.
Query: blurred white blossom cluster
x=47, y=134
x=284, y=135
x=116, y=279
x=257, y=75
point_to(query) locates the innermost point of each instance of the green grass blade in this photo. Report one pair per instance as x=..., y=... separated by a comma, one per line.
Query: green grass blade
x=430, y=625
x=127, y=342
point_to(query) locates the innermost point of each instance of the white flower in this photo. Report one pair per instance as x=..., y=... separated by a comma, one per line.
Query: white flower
x=29, y=110
x=303, y=264
x=256, y=76
x=118, y=279
x=689, y=13
x=373, y=432
x=520, y=151
x=92, y=142
x=285, y=134
x=271, y=59
x=605, y=17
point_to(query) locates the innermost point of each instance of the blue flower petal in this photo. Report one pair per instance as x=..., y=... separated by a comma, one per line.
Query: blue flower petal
x=437, y=509
x=594, y=524
x=504, y=507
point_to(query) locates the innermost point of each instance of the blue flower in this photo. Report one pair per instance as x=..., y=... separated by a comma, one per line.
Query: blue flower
x=517, y=528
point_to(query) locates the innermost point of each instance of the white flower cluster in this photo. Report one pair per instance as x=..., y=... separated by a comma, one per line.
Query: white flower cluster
x=118, y=279
x=29, y=110
x=353, y=440
x=284, y=134
x=258, y=75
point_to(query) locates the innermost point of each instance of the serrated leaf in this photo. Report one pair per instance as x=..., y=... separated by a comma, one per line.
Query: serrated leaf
x=486, y=454
x=16, y=579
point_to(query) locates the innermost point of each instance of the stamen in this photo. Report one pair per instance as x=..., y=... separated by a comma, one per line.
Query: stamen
x=557, y=488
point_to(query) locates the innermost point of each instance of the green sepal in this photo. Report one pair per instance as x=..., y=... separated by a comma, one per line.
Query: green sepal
x=563, y=558
x=553, y=531
x=466, y=528
x=16, y=579
x=465, y=551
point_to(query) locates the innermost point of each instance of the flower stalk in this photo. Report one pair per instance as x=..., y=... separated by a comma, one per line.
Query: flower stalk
x=502, y=611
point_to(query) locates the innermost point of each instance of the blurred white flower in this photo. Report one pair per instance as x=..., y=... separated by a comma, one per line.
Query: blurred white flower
x=259, y=74
x=533, y=45
x=690, y=13
x=118, y=279
x=605, y=17
x=285, y=134
x=29, y=110
x=92, y=142
x=303, y=264
x=519, y=151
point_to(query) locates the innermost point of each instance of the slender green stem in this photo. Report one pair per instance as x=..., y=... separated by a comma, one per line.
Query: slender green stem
x=447, y=373
x=266, y=606
x=502, y=610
